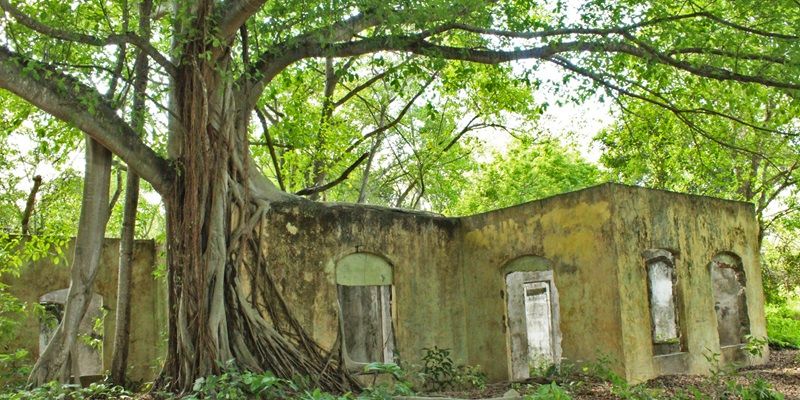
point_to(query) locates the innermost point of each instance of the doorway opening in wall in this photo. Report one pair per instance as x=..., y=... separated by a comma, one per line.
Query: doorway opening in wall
x=364, y=285
x=730, y=302
x=90, y=341
x=532, y=318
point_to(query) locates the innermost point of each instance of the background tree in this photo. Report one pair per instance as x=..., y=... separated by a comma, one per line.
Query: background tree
x=530, y=170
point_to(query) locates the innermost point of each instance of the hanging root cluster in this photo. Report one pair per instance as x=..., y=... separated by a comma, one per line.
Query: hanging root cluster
x=214, y=222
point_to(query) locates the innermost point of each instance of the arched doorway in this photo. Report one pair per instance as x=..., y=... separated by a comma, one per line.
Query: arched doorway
x=364, y=285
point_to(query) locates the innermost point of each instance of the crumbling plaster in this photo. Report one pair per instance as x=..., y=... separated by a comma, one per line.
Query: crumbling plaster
x=448, y=276
x=449, y=273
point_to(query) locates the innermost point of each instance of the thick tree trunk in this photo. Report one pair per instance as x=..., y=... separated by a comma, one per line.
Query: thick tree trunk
x=213, y=217
x=54, y=362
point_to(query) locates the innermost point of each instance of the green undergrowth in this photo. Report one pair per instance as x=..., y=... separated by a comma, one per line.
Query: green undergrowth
x=783, y=325
x=437, y=374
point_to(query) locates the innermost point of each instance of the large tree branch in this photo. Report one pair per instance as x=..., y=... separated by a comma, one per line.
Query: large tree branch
x=70, y=100
x=340, y=44
x=571, y=31
x=237, y=12
x=345, y=174
x=115, y=39
x=276, y=59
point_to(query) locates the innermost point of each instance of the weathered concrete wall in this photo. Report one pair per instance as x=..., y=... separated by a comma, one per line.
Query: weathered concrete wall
x=573, y=231
x=449, y=286
x=148, y=304
x=694, y=229
x=304, y=242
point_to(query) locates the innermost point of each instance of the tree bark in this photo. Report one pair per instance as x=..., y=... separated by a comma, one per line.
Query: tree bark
x=54, y=362
x=119, y=359
x=26, y=215
x=219, y=201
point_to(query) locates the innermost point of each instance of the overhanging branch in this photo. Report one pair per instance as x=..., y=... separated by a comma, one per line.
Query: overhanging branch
x=116, y=39
x=71, y=101
x=237, y=12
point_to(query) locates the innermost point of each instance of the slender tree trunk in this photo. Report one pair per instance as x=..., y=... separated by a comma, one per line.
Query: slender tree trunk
x=119, y=360
x=26, y=215
x=54, y=362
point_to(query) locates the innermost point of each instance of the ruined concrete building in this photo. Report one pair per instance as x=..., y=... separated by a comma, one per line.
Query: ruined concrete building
x=653, y=280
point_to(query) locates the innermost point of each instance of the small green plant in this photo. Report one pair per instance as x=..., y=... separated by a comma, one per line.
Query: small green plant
x=235, y=384
x=439, y=372
x=549, y=392
x=601, y=368
x=55, y=390
x=755, y=345
x=760, y=389
x=400, y=387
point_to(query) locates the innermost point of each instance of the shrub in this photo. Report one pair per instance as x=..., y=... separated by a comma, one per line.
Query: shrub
x=783, y=326
x=549, y=392
x=440, y=372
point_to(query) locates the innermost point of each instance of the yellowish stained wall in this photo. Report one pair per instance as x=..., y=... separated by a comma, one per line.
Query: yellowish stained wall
x=303, y=244
x=448, y=275
x=449, y=283
x=573, y=231
x=148, y=304
x=694, y=229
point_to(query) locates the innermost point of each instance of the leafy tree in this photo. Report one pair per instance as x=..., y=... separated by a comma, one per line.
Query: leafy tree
x=213, y=62
x=720, y=157
x=528, y=171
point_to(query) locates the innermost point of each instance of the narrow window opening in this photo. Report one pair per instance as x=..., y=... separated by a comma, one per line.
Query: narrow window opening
x=730, y=302
x=661, y=280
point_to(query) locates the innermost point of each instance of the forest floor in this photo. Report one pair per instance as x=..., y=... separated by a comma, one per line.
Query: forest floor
x=782, y=373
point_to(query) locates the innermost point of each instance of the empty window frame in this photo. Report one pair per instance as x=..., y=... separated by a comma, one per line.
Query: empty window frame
x=661, y=283
x=364, y=283
x=730, y=302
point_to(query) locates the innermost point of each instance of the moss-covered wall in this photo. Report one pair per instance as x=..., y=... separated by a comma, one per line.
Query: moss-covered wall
x=304, y=242
x=694, y=229
x=148, y=304
x=573, y=231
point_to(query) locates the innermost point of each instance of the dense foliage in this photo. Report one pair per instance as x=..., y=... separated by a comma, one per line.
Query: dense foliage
x=367, y=101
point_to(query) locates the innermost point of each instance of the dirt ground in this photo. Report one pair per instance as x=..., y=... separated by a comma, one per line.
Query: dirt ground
x=782, y=372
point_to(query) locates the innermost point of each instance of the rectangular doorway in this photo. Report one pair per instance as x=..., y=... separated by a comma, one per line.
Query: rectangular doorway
x=532, y=317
